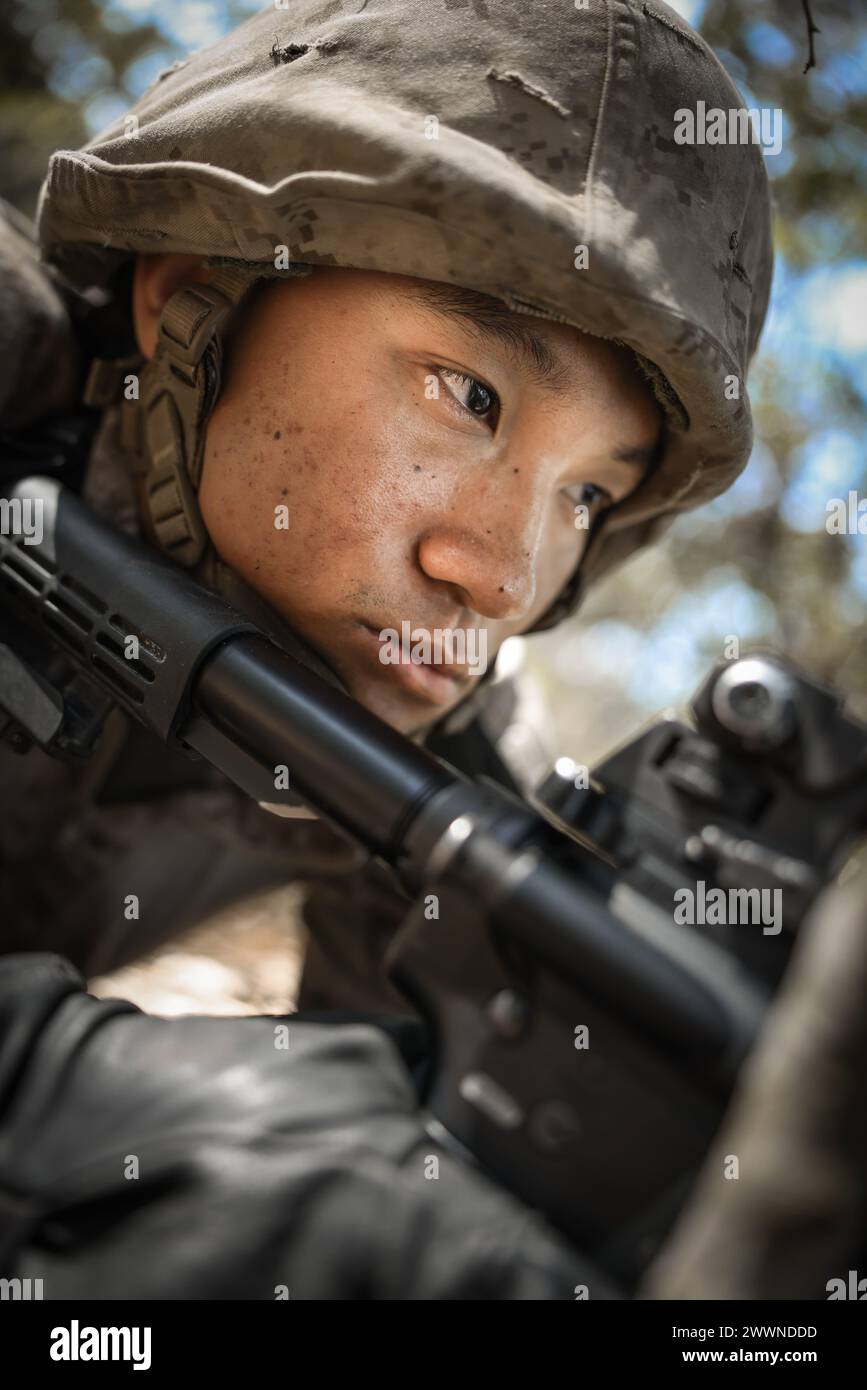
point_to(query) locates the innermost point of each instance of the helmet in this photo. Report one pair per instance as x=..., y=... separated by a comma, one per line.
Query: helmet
x=479, y=143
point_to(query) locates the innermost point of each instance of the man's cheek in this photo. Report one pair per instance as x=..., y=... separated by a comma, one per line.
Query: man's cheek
x=555, y=566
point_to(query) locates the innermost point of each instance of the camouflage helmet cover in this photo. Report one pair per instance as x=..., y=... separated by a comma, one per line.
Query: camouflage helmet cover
x=477, y=142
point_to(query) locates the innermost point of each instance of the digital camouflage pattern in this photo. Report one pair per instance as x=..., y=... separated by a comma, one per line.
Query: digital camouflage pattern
x=473, y=142
x=308, y=128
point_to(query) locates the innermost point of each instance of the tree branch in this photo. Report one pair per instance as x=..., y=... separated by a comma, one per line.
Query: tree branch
x=811, y=30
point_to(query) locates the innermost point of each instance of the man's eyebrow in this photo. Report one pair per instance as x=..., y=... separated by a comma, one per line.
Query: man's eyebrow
x=493, y=318
x=642, y=455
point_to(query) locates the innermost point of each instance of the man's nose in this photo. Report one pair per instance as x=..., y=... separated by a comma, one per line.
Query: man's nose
x=487, y=552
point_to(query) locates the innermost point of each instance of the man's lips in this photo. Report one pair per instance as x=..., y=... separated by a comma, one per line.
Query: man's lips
x=436, y=682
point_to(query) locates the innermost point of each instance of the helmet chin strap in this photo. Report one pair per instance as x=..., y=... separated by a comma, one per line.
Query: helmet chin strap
x=179, y=388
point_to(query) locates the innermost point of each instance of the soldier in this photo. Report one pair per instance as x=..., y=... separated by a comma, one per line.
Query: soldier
x=385, y=340
x=436, y=310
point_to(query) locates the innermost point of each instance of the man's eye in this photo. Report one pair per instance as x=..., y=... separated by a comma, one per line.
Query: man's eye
x=589, y=495
x=478, y=399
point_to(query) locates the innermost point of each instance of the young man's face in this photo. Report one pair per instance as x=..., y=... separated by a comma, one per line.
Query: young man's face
x=430, y=464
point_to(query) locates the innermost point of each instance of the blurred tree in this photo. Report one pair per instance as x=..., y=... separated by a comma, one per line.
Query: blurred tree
x=759, y=564
x=53, y=57
x=811, y=577
x=763, y=44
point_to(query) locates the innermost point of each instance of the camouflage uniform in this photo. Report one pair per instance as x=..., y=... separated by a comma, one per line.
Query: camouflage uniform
x=307, y=128
x=343, y=133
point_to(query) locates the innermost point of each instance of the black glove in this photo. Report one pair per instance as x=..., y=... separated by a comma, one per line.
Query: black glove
x=199, y=1158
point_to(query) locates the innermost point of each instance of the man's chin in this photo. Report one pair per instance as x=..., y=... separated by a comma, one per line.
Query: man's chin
x=410, y=722
x=412, y=718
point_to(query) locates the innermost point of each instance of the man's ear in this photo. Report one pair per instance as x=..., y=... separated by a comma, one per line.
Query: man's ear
x=154, y=282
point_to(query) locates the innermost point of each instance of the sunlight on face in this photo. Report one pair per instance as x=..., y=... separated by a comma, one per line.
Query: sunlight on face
x=378, y=463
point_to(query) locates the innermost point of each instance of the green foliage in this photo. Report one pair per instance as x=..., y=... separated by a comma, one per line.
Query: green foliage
x=47, y=47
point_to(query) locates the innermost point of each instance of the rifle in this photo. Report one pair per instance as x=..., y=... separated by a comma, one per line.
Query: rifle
x=584, y=1036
